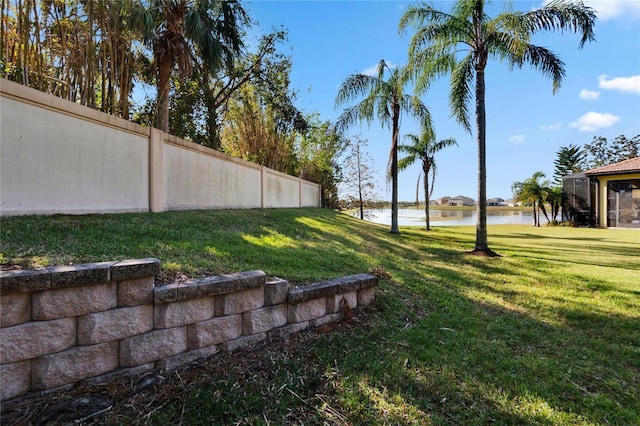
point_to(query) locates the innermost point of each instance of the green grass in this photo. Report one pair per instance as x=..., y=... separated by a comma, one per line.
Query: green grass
x=549, y=333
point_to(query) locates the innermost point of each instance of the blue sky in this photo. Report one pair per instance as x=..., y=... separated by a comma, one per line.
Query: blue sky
x=526, y=122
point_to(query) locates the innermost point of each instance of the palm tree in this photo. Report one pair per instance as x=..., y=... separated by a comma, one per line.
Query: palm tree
x=553, y=196
x=386, y=101
x=440, y=37
x=179, y=31
x=532, y=191
x=424, y=148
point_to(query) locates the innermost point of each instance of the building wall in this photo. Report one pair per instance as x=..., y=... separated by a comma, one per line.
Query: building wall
x=603, y=181
x=90, y=323
x=60, y=157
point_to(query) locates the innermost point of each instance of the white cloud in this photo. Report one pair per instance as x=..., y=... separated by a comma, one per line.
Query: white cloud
x=589, y=95
x=373, y=70
x=593, y=121
x=624, y=84
x=554, y=126
x=516, y=138
x=613, y=9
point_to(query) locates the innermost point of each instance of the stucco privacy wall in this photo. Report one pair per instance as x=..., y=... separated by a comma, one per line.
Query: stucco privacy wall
x=310, y=194
x=69, y=324
x=208, y=179
x=60, y=157
x=282, y=188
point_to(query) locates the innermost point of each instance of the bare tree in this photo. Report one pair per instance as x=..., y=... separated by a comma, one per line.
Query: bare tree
x=359, y=177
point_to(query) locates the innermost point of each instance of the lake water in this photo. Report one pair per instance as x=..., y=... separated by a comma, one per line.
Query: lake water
x=415, y=217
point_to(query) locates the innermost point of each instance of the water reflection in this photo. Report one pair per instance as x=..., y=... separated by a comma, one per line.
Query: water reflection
x=444, y=217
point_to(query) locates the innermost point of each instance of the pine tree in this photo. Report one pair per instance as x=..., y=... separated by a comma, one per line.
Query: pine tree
x=570, y=159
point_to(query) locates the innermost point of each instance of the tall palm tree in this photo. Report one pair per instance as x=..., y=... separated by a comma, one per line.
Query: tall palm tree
x=386, y=101
x=181, y=31
x=424, y=148
x=440, y=37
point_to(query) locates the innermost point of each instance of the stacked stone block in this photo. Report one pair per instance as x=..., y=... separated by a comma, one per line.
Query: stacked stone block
x=64, y=325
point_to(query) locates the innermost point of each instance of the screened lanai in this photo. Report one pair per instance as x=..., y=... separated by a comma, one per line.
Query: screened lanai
x=617, y=194
x=579, y=199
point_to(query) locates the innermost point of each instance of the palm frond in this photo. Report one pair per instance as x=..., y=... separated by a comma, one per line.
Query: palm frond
x=417, y=15
x=417, y=109
x=142, y=20
x=380, y=70
x=414, y=139
x=354, y=86
x=546, y=61
x=430, y=64
x=362, y=111
x=561, y=15
x=384, y=111
x=461, y=91
x=444, y=143
x=194, y=24
x=405, y=162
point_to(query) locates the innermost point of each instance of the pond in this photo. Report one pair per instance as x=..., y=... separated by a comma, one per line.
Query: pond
x=445, y=217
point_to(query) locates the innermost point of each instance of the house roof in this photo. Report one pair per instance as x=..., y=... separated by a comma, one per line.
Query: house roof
x=627, y=166
x=575, y=175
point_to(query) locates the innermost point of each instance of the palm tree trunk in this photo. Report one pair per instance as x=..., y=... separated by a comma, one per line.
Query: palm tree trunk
x=418, y=193
x=543, y=209
x=359, y=163
x=482, y=245
x=394, y=169
x=164, y=73
x=425, y=170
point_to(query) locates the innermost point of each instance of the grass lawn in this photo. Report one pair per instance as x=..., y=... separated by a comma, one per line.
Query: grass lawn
x=549, y=333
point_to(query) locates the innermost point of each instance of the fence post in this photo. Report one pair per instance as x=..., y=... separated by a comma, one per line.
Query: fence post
x=263, y=187
x=299, y=192
x=156, y=170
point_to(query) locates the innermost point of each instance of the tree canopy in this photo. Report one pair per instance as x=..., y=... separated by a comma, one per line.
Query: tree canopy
x=601, y=152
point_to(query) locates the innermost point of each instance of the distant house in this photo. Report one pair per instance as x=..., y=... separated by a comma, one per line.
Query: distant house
x=461, y=200
x=444, y=201
x=608, y=197
x=495, y=201
x=511, y=202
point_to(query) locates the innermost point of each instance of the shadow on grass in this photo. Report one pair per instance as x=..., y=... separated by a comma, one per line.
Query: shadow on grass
x=467, y=362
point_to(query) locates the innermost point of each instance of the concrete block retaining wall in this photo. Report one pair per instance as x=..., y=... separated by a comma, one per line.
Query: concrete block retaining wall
x=67, y=324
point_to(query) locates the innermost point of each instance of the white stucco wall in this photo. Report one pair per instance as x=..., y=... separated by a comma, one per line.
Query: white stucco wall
x=195, y=180
x=60, y=157
x=281, y=190
x=53, y=160
x=310, y=194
